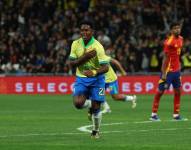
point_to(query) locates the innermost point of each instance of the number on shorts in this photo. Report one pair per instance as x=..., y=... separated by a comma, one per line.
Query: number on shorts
x=101, y=91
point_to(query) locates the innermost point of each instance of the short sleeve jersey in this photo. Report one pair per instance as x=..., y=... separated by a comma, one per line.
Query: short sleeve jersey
x=78, y=49
x=172, y=47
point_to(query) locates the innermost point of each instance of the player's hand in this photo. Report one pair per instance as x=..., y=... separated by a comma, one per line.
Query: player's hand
x=88, y=73
x=163, y=83
x=90, y=54
x=163, y=77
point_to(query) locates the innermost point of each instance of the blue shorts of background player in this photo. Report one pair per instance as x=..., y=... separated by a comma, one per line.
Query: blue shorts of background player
x=92, y=87
x=173, y=78
x=113, y=87
x=114, y=92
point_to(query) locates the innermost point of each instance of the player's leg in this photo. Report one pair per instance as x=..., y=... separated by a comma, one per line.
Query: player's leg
x=114, y=92
x=79, y=94
x=125, y=98
x=106, y=107
x=177, y=95
x=162, y=86
x=87, y=104
x=155, y=106
x=96, y=118
x=97, y=95
x=79, y=101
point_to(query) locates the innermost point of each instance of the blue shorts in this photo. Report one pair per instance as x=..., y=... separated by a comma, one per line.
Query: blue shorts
x=173, y=78
x=93, y=88
x=113, y=87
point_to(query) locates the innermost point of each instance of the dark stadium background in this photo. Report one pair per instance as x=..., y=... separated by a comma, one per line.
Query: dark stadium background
x=36, y=35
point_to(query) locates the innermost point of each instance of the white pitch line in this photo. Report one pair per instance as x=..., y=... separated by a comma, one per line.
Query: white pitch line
x=85, y=128
x=39, y=134
x=143, y=130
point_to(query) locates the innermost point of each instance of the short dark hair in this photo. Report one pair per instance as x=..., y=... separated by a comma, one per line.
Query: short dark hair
x=87, y=22
x=173, y=24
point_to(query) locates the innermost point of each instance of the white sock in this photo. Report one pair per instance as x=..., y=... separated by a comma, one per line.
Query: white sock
x=128, y=98
x=175, y=115
x=153, y=114
x=106, y=105
x=87, y=104
x=96, y=119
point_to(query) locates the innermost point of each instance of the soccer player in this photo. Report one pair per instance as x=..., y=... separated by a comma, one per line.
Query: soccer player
x=170, y=72
x=112, y=85
x=88, y=55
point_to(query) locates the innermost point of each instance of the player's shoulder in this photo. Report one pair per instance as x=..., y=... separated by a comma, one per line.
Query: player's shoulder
x=168, y=40
x=77, y=41
x=97, y=43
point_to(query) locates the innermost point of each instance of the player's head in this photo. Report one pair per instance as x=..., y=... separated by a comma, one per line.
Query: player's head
x=175, y=28
x=86, y=30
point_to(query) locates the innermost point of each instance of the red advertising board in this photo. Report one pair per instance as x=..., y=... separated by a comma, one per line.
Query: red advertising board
x=148, y=85
x=64, y=85
x=36, y=85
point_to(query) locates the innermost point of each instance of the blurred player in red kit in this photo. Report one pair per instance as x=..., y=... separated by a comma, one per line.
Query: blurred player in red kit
x=170, y=72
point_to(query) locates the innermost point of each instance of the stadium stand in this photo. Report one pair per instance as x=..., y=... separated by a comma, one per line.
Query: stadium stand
x=35, y=36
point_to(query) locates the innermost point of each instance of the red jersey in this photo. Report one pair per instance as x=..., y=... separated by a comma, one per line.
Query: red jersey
x=172, y=47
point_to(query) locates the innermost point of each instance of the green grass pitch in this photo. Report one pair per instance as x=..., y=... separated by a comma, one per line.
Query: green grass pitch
x=47, y=122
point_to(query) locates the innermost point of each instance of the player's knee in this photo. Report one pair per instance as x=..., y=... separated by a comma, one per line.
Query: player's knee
x=78, y=105
x=79, y=102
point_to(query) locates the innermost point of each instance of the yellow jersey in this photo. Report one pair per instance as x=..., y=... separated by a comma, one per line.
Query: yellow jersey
x=78, y=49
x=110, y=76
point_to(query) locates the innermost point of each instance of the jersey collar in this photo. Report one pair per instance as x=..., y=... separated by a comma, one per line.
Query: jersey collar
x=91, y=41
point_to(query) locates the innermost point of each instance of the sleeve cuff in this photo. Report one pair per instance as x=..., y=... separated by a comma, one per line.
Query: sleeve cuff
x=72, y=58
x=103, y=62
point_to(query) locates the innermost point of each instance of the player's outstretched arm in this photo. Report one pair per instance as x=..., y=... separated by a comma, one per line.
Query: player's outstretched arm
x=81, y=60
x=118, y=65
